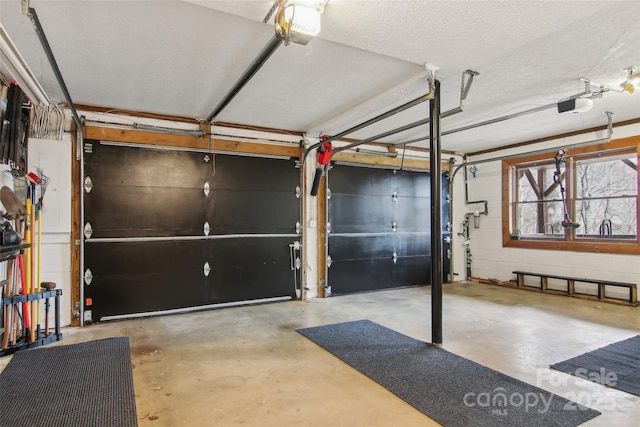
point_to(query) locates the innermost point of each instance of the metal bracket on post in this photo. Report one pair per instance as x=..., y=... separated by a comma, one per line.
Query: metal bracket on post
x=431, y=76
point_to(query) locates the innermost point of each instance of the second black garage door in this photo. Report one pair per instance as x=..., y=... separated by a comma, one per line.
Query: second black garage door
x=379, y=228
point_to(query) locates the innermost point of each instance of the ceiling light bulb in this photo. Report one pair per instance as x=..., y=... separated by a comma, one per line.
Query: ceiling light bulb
x=304, y=20
x=633, y=80
x=628, y=86
x=298, y=20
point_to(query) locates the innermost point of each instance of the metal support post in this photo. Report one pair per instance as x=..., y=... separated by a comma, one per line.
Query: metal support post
x=436, y=217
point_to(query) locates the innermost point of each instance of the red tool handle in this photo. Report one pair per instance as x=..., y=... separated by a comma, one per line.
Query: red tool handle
x=324, y=157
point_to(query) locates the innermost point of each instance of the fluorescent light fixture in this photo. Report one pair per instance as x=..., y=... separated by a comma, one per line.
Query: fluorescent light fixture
x=14, y=63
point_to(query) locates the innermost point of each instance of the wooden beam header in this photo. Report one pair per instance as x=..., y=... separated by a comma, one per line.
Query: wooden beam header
x=370, y=159
x=188, y=141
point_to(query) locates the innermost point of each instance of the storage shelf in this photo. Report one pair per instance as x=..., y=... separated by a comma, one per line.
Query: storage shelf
x=9, y=251
x=42, y=336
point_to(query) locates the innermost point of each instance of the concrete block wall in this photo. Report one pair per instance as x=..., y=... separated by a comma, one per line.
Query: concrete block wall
x=491, y=260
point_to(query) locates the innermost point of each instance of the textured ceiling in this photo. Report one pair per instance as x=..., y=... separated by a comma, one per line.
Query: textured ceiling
x=181, y=57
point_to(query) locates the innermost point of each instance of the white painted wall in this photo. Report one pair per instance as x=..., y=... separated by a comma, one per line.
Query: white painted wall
x=491, y=260
x=311, y=233
x=54, y=158
x=457, y=216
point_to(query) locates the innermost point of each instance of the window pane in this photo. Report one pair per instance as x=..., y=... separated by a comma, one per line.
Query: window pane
x=606, y=189
x=543, y=219
x=536, y=183
x=604, y=217
x=607, y=177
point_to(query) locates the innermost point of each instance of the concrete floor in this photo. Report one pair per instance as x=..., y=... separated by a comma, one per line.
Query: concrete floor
x=249, y=366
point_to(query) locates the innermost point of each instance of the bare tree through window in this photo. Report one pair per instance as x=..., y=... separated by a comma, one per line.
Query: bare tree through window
x=606, y=196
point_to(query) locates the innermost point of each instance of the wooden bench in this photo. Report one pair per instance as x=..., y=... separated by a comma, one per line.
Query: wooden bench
x=571, y=287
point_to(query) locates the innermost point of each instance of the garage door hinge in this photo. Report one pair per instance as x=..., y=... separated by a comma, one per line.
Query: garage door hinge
x=88, y=230
x=298, y=192
x=206, y=269
x=207, y=229
x=207, y=188
x=88, y=148
x=329, y=261
x=328, y=194
x=298, y=227
x=88, y=184
x=88, y=277
x=327, y=290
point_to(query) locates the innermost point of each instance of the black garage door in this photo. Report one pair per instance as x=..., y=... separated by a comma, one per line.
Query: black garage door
x=167, y=229
x=379, y=229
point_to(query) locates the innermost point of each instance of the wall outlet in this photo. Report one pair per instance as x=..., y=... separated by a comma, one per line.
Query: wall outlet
x=313, y=223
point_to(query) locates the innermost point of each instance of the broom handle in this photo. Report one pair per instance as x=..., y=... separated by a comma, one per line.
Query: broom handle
x=39, y=218
x=25, y=306
x=32, y=338
x=16, y=291
x=7, y=308
x=32, y=266
x=26, y=269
